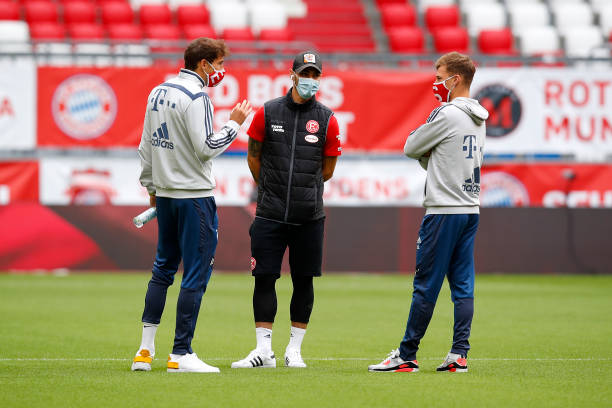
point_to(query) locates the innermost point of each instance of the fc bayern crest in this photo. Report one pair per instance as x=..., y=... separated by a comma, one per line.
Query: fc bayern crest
x=500, y=189
x=312, y=126
x=253, y=263
x=84, y=106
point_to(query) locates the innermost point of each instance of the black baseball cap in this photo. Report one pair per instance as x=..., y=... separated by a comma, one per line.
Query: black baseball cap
x=307, y=59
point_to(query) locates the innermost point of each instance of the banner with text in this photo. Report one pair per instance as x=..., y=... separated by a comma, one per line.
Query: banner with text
x=355, y=183
x=105, y=107
x=17, y=105
x=547, y=185
x=103, y=181
x=547, y=111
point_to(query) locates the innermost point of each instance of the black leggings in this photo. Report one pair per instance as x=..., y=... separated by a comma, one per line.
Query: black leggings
x=265, y=303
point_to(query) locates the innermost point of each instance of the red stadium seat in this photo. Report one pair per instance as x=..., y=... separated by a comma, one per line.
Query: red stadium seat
x=41, y=11
x=47, y=31
x=81, y=12
x=117, y=13
x=64, y=2
x=9, y=11
x=441, y=16
x=193, y=31
x=86, y=32
x=238, y=34
x=394, y=15
x=104, y=2
x=451, y=39
x=407, y=40
x=124, y=32
x=381, y=3
x=189, y=14
x=275, y=34
x=155, y=14
x=496, y=42
x=168, y=32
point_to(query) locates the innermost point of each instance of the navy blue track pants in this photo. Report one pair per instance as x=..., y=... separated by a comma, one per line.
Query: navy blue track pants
x=188, y=231
x=445, y=248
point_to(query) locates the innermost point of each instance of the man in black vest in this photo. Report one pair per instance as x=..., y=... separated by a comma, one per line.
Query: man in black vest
x=294, y=142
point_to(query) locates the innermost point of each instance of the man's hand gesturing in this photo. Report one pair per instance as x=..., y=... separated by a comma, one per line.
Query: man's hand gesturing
x=241, y=111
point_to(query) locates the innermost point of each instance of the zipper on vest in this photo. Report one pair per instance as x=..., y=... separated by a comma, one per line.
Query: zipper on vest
x=297, y=115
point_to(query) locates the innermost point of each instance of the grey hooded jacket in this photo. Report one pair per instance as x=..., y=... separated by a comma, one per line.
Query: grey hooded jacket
x=454, y=135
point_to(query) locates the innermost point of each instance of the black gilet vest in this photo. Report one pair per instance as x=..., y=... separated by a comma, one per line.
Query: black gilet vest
x=291, y=182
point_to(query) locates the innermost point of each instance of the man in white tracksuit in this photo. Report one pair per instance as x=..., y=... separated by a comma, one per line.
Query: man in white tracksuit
x=177, y=146
x=450, y=147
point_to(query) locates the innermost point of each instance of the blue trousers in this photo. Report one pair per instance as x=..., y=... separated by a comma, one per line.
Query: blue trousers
x=188, y=231
x=445, y=248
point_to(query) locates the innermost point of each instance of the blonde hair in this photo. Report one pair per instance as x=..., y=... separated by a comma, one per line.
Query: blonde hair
x=458, y=64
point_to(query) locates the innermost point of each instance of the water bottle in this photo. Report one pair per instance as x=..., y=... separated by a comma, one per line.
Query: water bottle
x=144, y=217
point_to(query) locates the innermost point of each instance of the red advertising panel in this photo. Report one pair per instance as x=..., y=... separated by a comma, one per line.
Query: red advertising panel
x=376, y=110
x=92, y=107
x=547, y=185
x=18, y=182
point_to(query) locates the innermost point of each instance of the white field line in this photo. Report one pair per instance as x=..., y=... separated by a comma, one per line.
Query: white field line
x=317, y=359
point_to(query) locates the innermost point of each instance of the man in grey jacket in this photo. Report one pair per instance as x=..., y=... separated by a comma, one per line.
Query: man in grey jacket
x=177, y=146
x=450, y=147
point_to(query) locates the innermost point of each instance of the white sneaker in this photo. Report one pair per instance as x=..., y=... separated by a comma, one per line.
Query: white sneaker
x=257, y=358
x=395, y=364
x=293, y=358
x=142, y=361
x=188, y=363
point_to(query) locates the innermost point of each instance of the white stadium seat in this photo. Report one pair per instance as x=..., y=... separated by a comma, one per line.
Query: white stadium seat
x=14, y=31
x=538, y=40
x=581, y=41
x=554, y=3
x=424, y=4
x=598, y=4
x=173, y=4
x=267, y=14
x=485, y=16
x=605, y=19
x=528, y=15
x=295, y=8
x=137, y=3
x=228, y=14
x=572, y=14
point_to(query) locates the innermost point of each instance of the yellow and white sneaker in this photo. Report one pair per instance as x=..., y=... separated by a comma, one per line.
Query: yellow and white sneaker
x=188, y=363
x=142, y=361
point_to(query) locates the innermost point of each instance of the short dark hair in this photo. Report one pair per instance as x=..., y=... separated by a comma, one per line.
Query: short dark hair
x=204, y=48
x=456, y=63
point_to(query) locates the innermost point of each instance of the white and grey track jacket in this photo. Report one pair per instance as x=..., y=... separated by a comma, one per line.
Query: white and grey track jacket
x=178, y=141
x=454, y=134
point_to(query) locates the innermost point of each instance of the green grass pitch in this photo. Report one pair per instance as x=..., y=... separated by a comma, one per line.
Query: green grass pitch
x=537, y=341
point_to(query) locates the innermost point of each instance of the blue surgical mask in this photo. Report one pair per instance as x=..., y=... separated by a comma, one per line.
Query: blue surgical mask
x=307, y=87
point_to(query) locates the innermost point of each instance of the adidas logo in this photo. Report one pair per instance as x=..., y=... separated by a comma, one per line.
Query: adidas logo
x=161, y=138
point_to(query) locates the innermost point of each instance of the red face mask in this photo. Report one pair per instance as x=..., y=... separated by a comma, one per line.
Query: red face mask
x=441, y=92
x=216, y=77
